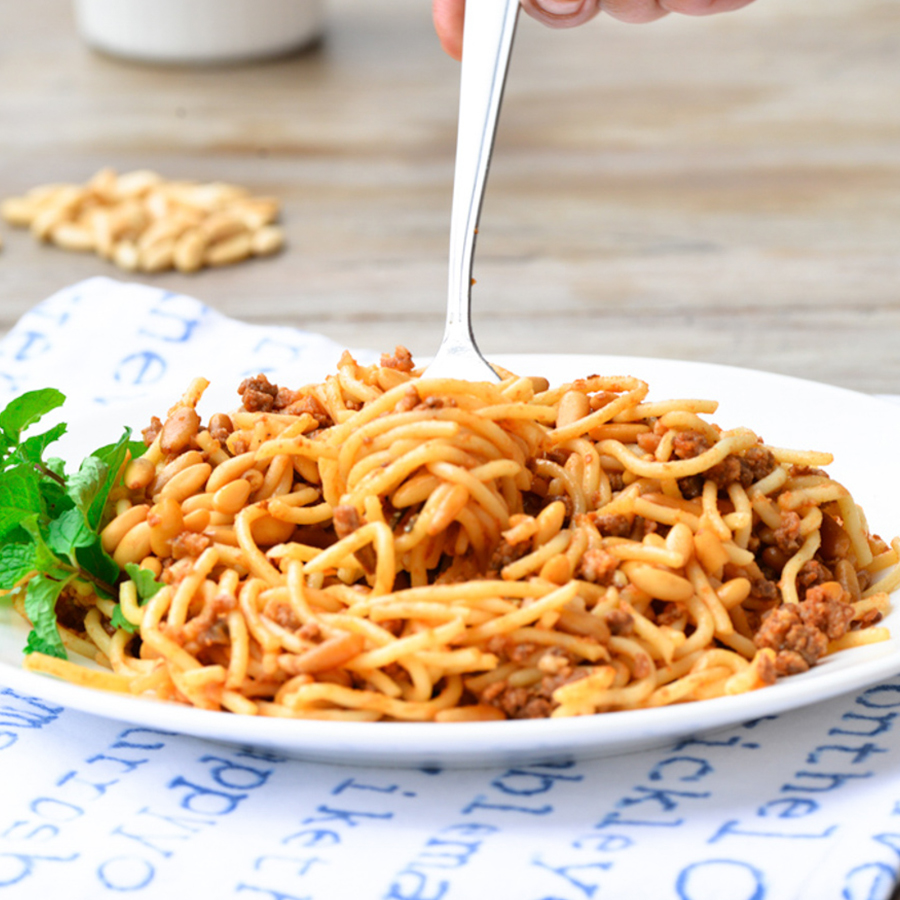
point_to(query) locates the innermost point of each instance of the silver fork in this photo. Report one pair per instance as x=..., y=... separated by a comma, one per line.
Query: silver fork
x=488, y=33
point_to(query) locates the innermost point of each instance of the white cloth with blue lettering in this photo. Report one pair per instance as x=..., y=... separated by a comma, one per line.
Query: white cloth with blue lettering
x=805, y=806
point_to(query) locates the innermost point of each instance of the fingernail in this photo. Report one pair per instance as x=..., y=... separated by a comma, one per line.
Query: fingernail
x=562, y=12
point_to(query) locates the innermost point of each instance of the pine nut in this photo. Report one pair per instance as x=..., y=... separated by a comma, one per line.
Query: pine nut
x=126, y=256
x=267, y=240
x=267, y=531
x=180, y=429
x=158, y=256
x=658, y=583
x=229, y=251
x=573, y=405
x=18, y=211
x=189, y=248
x=197, y=521
x=187, y=482
x=139, y=473
x=112, y=535
x=231, y=498
x=166, y=523
x=221, y=226
x=134, y=184
x=140, y=221
x=72, y=237
x=179, y=464
x=228, y=471
x=134, y=546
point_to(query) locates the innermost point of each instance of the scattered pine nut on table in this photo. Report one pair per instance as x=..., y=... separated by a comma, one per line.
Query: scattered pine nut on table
x=142, y=222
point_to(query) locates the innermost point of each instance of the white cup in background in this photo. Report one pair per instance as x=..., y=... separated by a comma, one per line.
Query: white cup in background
x=199, y=31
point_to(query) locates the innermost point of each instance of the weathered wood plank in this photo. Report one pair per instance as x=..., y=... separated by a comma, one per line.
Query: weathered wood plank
x=723, y=189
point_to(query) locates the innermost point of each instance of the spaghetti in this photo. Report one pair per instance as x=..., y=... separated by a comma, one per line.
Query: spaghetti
x=384, y=546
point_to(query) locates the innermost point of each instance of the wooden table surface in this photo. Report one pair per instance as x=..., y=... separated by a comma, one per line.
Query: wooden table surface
x=723, y=189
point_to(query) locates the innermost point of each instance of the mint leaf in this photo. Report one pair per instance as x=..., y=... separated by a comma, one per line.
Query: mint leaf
x=44, y=558
x=144, y=581
x=19, y=496
x=35, y=644
x=56, y=500
x=118, y=620
x=40, y=606
x=27, y=409
x=16, y=561
x=87, y=483
x=68, y=532
x=98, y=567
x=32, y=449
x=112, y=455
x=50, y=522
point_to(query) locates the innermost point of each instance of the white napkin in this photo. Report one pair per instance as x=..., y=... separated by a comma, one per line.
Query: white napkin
x=804, y=806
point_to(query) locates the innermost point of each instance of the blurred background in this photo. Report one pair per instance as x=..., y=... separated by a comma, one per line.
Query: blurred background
x=723, y=189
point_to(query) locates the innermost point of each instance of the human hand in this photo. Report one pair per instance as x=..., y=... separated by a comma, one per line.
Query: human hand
x=448, y=14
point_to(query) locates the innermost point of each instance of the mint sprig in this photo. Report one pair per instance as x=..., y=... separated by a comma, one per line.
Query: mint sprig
x=50, y=522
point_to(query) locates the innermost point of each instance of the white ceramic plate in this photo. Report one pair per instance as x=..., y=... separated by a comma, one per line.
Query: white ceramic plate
x=862, y=432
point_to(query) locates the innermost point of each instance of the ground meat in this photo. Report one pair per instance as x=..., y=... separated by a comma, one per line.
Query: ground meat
x=764, y=591
x=176, y=572
x=760, y=461
x=346, y=520
x=726, y=472
x=691, y=486
x=257, y=394
x=790, y=662
x=767, y=668
x=431, y=402
x=648, y=442
x=284, y=398
x=671, y=613
x=619, y=622
x=189, y=545
x=534, y=702
x=506, y=553
x=401, y=360
x=307, y=403
x=783, y=629
x=641, y=527
x=310, y=631
x=812, y=573
x=745, y=469
x=597, y=566
x=787, y=534
x=282, y=614
x=220, y=427
x=613, y=526
x=521, y=653
x=409, y=401
x=69, y=614
x=517, y=702
x=688, y=444
x=825, y=607
x=150, y=433
x=616, y=481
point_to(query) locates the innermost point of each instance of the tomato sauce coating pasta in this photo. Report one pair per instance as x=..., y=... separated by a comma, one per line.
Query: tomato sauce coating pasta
x=382, y=546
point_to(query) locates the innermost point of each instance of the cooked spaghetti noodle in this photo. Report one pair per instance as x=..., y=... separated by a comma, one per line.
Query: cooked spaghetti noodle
x=383, y=546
